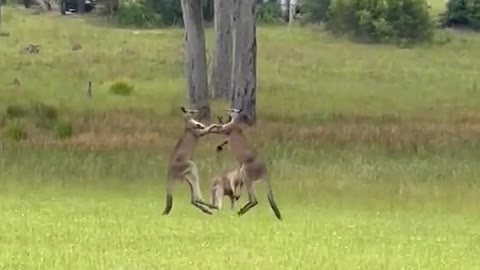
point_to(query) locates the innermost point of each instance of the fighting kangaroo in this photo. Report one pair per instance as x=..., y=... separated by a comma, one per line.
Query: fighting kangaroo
x=181, y=166
x=252, y=168
x=227, y=184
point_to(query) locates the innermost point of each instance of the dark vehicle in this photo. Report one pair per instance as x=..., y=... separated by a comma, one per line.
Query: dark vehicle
x=72, y=5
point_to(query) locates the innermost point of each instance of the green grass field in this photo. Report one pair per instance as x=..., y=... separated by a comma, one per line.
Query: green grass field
x=374, y=153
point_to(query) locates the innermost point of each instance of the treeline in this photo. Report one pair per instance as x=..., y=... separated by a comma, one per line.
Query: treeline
x=386, y=21
x=164, y=13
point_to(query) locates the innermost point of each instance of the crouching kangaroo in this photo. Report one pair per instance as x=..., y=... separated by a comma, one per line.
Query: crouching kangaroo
x=227, y=184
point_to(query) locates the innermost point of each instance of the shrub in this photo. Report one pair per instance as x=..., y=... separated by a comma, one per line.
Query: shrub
x=15, y=111
x=381, y=20
x=137, y=14
x=462, y=13
x=121, y=88
x=156, y=13
x=315, y=10
x=269, y=12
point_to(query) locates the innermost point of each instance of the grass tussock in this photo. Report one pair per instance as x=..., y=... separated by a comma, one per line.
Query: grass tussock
x=16, y=131
x=121, y=88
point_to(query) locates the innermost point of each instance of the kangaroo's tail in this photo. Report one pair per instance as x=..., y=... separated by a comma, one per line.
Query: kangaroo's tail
x=271, y=200
x=169, y=199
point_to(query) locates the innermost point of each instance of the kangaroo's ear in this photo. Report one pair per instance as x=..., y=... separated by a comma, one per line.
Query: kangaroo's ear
x=183, y=109
x=220, y=119
x=240, y=111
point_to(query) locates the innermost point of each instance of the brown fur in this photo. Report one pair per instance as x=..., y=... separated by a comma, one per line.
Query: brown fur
x=227, y=184
x=181, y=165
x=252, y=167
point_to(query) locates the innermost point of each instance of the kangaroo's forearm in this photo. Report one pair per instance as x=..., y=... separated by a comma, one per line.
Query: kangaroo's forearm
x=223, y=144
x=209, y=129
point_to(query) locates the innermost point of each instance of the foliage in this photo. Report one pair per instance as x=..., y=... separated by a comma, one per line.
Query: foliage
x=15, y=111
x=315, y=10
x=36, y=109
x=159, y=13
x=156, y=13
x=269, y=12
x=463, y=13
x=381, y=20
x=137, y=14
x=121, y=88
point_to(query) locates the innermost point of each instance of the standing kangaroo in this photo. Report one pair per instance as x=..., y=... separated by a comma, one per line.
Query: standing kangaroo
x=252, y=168
x=182, y=167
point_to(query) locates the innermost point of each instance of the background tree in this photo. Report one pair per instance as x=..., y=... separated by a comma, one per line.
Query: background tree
x=464, y=13
x=195, y=58
x=81, y=6
x=243, y=95
x=221, y=78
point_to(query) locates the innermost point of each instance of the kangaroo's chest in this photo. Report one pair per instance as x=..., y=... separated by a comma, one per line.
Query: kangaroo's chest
x=240, y=148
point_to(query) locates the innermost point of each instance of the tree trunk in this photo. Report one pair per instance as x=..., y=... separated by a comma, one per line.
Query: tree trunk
x=81, y=6
x=26, y=3
x=221, y=78
x=245, y=60
x=195, y=58
x=291, y=13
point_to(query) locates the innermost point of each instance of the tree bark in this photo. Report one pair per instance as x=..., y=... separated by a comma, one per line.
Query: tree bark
x=291, y=13
x=81, y=6
x=195, y=59
x=245, y=59
x=221, y=78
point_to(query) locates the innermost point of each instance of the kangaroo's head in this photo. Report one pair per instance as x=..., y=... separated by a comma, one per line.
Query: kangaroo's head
x=190, y=122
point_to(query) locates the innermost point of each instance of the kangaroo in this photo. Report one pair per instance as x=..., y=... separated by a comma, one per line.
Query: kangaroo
x=252, y=168
x=181, y=165
x=227, y=184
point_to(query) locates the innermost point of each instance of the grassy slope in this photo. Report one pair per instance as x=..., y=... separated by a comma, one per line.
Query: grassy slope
x=391, y=192
x=338, y=76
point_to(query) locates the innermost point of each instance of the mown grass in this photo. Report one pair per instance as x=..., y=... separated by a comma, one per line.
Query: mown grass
x=373, y=151
x=100, y=209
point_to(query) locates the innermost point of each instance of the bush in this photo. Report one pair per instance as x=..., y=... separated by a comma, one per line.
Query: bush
x=121, y=88
x=462, y=13
x=15, y=111
x=156, y=13
x=315, y=10
x=269, y=12
x=381, y=20
x=137, y=14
